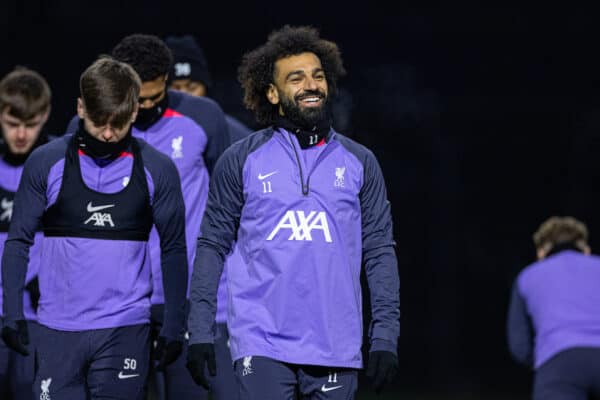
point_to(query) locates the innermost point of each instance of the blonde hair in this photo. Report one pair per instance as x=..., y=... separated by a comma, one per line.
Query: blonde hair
x=558, y=230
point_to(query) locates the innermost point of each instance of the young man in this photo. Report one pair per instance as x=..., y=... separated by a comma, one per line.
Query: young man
x=97, y=194
x=190, y=75
x=307, y=207
x=24, y=109
x=191, y=131
x=553, y=320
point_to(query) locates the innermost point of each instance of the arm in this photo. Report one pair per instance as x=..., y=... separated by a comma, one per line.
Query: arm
x=219, y=138
x=379, y=258
x=29, y=206
x=219, y=228
x=520, y=331
x=169, y=219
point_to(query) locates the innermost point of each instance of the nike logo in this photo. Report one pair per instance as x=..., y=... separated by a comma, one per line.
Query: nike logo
x=91, y=208
x=329, y=389
x=125, y=376
x=261, y=177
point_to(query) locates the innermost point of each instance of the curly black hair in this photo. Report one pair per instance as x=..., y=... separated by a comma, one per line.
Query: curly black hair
x=257, y=69
x=147, y=54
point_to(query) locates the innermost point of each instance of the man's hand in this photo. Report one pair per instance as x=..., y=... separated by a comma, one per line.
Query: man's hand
x=17, y=339
x=166, y=352
x=199, y=356
x=382, y=368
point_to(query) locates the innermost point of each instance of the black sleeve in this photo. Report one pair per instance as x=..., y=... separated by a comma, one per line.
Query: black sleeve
x=237, y=130
x=218, y=139
x=29, y=206
x=519, y=327
x=169, y=218
x=219, y=228
x=379, y=258
x=73, y=125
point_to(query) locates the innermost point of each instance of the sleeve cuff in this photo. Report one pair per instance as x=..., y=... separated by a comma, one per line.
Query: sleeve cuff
x=383, y=345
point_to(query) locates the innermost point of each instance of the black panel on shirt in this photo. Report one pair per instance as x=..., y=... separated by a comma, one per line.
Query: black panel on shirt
x=82, y=212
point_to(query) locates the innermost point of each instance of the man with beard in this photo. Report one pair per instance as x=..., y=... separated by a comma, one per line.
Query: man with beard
x=97, y=194
x=553, y=320
x=24, y=109
x=307, y=207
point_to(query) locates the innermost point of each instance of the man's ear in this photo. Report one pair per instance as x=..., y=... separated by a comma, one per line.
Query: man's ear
x=80, y=108
x=135, y=112
x=45, y=116
x=272, y=94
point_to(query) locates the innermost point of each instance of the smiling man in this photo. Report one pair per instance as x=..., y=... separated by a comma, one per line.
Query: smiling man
x=307, y=208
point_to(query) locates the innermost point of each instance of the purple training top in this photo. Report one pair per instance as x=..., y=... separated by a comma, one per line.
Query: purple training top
x=562, y=297
x=90, y=283
x=10, y=175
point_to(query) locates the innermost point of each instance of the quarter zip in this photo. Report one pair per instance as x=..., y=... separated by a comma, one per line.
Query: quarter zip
x=305, y=186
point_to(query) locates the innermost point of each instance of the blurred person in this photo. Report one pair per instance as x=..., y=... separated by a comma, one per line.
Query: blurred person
x=190, y=74
x=24, y=109
x=191, y=131
x=306, y=207
x=97, y=194
x=553, y=320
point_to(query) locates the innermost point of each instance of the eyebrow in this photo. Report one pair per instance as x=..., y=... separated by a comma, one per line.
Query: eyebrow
x=301, y=71
x=151, y=98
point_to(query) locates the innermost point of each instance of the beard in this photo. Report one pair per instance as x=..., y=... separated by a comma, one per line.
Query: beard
x=306, y=117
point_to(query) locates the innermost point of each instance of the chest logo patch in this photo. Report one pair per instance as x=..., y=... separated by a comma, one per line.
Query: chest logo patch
x=339, y=177
x=6, y=209
x=177, y=146
x=97, y=217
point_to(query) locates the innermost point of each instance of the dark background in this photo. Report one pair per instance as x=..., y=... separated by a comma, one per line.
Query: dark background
x=484, y=120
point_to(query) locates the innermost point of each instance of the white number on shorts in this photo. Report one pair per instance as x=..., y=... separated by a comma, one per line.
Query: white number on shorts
x=130, y=363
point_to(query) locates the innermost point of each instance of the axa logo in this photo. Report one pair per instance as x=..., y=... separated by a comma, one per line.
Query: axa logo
x=177, y=146
x=97, y=217
x=7, y=209
x=302, y=226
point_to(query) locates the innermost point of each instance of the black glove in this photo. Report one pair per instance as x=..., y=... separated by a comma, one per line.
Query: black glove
x=33, y=288
x=17, y=339
x=166, y=352
x=382, y=368
x=199, y=355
